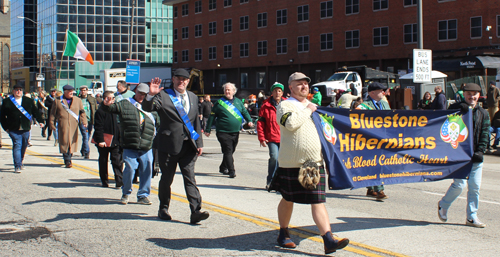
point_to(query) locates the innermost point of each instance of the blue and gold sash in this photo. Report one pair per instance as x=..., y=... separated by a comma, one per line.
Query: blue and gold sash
x=182, y=113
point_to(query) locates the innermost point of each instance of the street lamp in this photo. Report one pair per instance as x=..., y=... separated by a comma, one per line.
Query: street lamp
x=41, y=39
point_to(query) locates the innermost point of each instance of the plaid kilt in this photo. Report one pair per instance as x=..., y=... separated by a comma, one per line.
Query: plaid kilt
x=288, y=185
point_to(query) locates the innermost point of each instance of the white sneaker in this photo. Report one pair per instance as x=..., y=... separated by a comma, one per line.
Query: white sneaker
x=475, y=223
x=442, y=213
x=17, y=170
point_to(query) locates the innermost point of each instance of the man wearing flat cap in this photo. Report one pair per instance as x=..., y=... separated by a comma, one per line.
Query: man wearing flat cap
x=137, y=131
x=90, y=107
x=492, y=99
x=300, y=144
x=374, y=101
x=180, y=140
x=17, y=113
x=69, y=113
x=479, y=133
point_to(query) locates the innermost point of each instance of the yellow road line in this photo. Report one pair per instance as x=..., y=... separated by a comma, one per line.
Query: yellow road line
x=258, y=220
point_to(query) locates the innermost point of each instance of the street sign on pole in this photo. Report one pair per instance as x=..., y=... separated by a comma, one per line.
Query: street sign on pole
x=133, y=72
x=40, y=76
x=422, y=66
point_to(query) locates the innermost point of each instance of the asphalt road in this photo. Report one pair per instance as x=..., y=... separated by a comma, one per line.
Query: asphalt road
x=48, y=210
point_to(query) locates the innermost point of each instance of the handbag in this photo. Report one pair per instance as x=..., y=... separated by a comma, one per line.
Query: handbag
x=309, y=175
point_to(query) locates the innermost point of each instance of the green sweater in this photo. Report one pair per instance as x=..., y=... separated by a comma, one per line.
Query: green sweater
x=317, y=98
x=226, y=122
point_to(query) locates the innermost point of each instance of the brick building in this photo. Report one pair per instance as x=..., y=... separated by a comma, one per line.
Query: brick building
x=254, y=43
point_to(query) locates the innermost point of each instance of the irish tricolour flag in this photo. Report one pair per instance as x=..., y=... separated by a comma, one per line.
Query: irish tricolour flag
x=76, y=49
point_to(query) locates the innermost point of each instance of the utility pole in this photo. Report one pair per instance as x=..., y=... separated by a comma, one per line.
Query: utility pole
x=131, y=30
x=420, y=25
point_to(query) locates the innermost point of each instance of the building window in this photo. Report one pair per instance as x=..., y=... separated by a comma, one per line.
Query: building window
x=244, y=22
x=498, y=26
x=261, y=82
x=212, y=28
x=185, y=32
x=228, y=51
x=185, y=9
x=475, y=27
x=175, y=57
x=244, y=80
x=175, y=34
x=351, y=6
x=197, y=7
x=185, y=55
x=228, y=3
x=303, y=44
x=212, y=5
x=381, y=36
x=228, y=26
x=410, y=33
x=243, y=1
x=326, y=41
x=262, y=48
x=352, y=39
x=326, y=9
x=303, y=13
x=380, y=5
x=197, y=54
x=447, y=30
x=243, y=50
x=281, y=17
x=281, y=46
x=197, y=30
x=175, y=11
x=410, y=2
x=212, y=53
x=262, y=20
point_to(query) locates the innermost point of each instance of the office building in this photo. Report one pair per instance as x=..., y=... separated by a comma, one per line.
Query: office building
x=254, y=43
x=112, y=30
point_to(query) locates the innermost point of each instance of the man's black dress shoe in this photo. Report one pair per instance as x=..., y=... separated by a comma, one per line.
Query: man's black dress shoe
x=163, y=214
x=199, y=216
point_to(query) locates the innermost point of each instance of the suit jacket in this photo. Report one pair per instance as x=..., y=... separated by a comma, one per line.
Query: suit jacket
x=172, y=129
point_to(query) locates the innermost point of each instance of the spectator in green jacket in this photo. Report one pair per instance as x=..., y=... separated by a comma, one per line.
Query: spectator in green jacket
x=317, y=96
x=229, y=112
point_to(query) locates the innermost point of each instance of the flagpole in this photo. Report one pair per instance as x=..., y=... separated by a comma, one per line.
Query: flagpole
x=62, y=56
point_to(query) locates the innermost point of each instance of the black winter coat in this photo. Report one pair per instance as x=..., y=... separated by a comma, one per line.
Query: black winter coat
x=106, y=122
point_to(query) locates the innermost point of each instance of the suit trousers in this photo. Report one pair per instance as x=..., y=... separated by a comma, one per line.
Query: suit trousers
x=168, y=164
x=115, y=155
x=228, y=143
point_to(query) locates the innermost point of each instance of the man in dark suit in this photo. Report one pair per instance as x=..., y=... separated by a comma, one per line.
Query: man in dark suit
x=180, y=142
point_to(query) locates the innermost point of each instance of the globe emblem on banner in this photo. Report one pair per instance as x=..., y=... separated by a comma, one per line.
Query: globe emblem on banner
x=454, y=131
x=328, y=130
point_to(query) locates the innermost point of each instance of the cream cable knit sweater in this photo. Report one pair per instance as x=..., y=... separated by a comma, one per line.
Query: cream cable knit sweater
x=299, y=137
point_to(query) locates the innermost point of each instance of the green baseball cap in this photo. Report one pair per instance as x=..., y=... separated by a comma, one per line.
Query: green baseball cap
x=277, y=84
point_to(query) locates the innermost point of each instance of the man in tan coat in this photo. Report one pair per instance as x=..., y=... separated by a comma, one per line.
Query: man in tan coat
x=69, y=113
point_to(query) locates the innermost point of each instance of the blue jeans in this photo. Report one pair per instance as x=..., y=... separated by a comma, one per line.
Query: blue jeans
x=273, y=160
x=137, y=159
x=474, y=183
x=85, y=131
x=497, y=134
x=19, y=144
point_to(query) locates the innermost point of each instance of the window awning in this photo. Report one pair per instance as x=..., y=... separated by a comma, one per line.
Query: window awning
x=469, y=62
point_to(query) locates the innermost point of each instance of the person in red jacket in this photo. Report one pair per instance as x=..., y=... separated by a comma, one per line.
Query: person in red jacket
x=268, y=129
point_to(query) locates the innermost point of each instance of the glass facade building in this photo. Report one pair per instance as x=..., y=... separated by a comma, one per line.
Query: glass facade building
x=112, y=30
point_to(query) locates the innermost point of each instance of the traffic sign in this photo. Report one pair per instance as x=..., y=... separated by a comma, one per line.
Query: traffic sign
x=133, y=72
x=40, y=76
x=422, y=66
